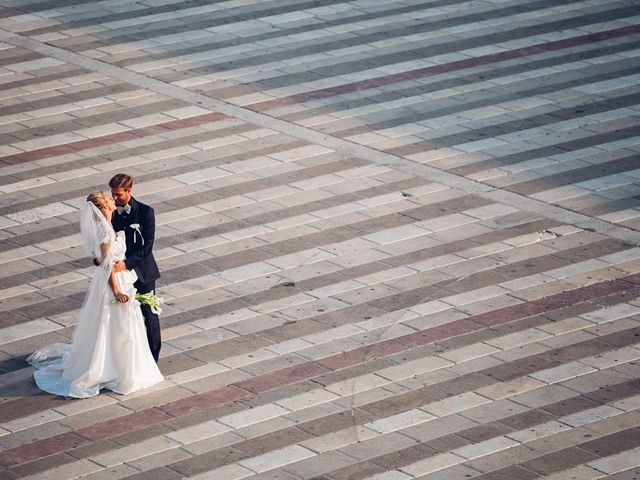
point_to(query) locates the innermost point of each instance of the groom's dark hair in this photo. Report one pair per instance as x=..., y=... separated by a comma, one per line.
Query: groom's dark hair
x=121, y=180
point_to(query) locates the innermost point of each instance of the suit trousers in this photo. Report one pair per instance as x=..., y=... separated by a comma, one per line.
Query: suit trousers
x=151, y=320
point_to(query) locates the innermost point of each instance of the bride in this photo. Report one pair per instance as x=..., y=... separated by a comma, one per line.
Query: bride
x=109, y=348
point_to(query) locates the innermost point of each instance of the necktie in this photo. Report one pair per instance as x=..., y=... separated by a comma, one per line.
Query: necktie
x=126, y=208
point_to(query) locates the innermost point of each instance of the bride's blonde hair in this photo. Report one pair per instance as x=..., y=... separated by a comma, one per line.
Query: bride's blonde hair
x=99, y=199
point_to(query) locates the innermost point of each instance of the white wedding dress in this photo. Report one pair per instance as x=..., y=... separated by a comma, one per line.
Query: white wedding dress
x=109, y=347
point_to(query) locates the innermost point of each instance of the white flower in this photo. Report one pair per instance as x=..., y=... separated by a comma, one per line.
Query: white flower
x=136, y=228
x=149, y=298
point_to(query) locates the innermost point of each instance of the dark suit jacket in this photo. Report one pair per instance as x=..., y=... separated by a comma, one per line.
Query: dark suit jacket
x=139, y=255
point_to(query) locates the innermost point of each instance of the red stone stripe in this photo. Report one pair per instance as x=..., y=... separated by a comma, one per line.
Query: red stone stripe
x=444, y=68
x=110, y=139
x=286, y=376
x=125, y=424
x=441, y=332
x=635, y=278
x=41, y=448
x=363, y=354
x=204, y=400
x=309, y=370
x=551, y=302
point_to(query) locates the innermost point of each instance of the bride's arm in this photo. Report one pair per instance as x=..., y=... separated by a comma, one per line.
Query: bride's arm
x=113, y=282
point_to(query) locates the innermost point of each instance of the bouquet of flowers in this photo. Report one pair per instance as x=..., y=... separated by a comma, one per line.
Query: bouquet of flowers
x=149, y=298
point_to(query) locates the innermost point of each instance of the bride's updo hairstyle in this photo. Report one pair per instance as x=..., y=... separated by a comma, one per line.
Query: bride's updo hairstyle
x=99, y=199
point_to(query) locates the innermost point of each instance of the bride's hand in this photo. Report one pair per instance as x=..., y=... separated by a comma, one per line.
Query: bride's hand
x=119, y=266
x=122, y=298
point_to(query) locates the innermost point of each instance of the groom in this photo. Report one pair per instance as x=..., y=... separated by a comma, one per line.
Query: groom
x=139, y=225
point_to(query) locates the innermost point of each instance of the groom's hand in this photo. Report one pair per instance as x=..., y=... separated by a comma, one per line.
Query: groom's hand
x=119, y=266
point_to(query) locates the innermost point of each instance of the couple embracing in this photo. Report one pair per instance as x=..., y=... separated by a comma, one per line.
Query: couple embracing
x=116, y=343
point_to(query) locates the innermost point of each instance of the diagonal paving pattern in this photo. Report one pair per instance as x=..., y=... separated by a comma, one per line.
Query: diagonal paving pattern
x=398, y=239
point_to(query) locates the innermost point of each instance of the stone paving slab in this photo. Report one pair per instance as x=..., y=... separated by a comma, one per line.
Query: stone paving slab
x=398, y=239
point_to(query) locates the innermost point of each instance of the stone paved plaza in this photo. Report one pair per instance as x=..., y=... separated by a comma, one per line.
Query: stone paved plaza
x=399, y=239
